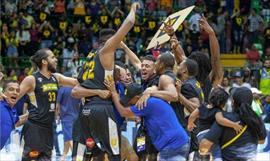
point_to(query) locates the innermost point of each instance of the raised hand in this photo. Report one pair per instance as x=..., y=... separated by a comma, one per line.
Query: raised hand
x=135, y=6
x=168, y=28
x=205, y=26
x=174, y=43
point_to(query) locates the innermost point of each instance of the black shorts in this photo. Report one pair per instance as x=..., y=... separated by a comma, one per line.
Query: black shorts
x=37, y=138
x=98, y=121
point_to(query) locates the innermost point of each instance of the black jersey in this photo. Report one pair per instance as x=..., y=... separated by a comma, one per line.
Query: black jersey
x=92, y=73
x=43, y=100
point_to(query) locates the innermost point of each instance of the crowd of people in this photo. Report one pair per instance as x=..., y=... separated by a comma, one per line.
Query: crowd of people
x=72, y=26
x=187, y=105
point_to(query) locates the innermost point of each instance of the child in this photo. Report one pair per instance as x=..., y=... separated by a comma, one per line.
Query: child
x=210, y=113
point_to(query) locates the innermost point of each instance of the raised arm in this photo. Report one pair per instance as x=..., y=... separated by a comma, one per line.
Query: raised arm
x=176, y=47
x=216, y=73
x=135, y=61
x=107, y=51
x=177, y=50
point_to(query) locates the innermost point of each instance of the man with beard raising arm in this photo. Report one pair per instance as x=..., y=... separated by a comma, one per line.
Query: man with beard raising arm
x=98, y=119
x=42, y=89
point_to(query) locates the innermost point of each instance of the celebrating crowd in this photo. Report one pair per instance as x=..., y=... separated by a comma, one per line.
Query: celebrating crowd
x=185, y=107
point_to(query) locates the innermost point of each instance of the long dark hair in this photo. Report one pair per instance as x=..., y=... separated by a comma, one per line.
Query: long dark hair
x=204, y=64
x=242, y=98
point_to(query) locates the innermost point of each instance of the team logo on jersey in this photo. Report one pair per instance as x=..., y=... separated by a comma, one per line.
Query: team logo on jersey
x=49, y=87
x=40, y=79
x=52, y=107
x=86, y=111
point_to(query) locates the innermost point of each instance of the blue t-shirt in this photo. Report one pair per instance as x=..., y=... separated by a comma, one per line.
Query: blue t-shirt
x=121, y=91
x=8, y=120
x=162, y=125
x=69, y=109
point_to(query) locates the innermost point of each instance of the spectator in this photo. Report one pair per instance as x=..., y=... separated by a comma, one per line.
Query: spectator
x=266, y=104
x=266, y=54
x=267, y=36
x=23, y=36
x=239, y=80
x=69, y=109
x=265, y=78
x=253, y=56
x=94, y=7
x=59, y=8
x=46, y=31
x=226, y=84
x=10, y=7
x=35, y=38
x=238, y=33
x=12, y=49
x=74, y=64
x=29, y=19
x=256, y=103
x=221, y=21
x=194, y=21
x=12, y=75
x=68, y=51
x=254, y=21
x=79, y=10
x=24, y=74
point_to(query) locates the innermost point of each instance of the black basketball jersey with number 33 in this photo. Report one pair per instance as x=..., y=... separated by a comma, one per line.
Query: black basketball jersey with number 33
x=43, y=100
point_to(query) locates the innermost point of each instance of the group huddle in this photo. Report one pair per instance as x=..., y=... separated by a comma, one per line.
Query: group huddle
x=179, y=104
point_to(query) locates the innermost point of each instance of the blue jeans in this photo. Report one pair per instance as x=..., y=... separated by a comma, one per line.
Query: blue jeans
x=216, y=150
x=179, y=154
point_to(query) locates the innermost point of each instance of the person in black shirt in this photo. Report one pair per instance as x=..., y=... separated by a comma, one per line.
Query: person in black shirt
x=208, y=113
x=242, y=146
x=98, y=120
x=41, y=88
x=210, y=73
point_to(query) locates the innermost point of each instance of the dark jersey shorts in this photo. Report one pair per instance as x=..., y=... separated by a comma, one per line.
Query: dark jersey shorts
x=98, y=121
x=37, y=138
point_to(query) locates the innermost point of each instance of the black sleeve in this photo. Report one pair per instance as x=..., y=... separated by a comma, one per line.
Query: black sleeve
x=214, y=133
x=188, y=91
